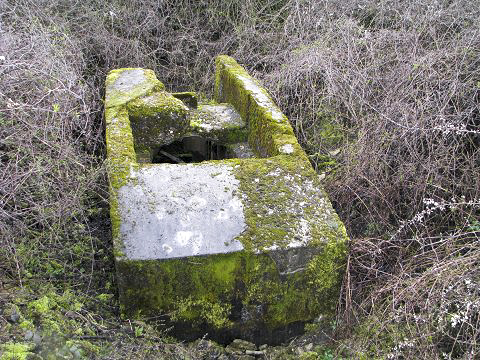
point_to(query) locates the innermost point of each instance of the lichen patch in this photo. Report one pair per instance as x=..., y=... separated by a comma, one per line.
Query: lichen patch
x=286, y=149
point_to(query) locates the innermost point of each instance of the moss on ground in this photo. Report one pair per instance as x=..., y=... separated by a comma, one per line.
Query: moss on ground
x=16, y=351
x=51, y=326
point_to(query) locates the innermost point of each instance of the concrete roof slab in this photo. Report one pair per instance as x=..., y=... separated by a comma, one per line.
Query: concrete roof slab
x=171, y=211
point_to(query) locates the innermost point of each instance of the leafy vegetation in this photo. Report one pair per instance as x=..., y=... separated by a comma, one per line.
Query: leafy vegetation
x=384, y=96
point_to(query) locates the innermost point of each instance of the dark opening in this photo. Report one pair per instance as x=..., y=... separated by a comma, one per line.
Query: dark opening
x=190, y=149
x=255, y=332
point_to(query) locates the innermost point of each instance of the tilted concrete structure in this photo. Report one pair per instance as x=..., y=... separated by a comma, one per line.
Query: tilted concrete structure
x=219, y=221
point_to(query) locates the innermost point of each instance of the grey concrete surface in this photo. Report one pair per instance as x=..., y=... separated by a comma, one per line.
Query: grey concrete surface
x=171, y=210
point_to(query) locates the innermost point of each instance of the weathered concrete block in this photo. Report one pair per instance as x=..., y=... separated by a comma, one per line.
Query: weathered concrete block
x=220, y=122
x=270, y=132
x=173, y=211
x=246, y=247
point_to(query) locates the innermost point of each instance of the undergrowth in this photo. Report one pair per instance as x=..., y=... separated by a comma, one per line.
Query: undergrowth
x=383, y=95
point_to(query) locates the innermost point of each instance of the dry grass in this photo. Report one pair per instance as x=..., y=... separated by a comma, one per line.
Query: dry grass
x=394, y=88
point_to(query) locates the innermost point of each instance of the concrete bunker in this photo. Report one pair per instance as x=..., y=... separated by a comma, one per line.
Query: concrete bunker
x=219, y=222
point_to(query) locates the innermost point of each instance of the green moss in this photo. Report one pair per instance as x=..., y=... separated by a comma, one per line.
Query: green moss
x=330, y=133
x=203, y=310
x=156, y=104
x=121, y=160
x=117, y=94
x=12, y=310
x=323, y=163
x=78, y=348
x=27, y=325
x=278, y=211
x=204, y=123
x=120, y=150
x=325, y=270
x=386, y=337
x=157, y=119
x=153, y=285
x=41, y=306
x=201, y=290
x=286, y=298
x=228, y=87
x=189, y=98
x=54, y=317
x=286, y=144
x=264, y=129
x=116, y=222
x=267, y=125
x=16, y=351
x=44, y=311
x=308, y=355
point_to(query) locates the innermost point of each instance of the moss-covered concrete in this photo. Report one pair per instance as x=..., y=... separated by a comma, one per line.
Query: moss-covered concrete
x=270, y=132
x=158, y=118
x=289, y=271
x=139, y=113
x=121, y=159
x=285, y=204
x=189, y=98
x=219, y=122
x=126, y=84
x=237, y=293
x=294, y=245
